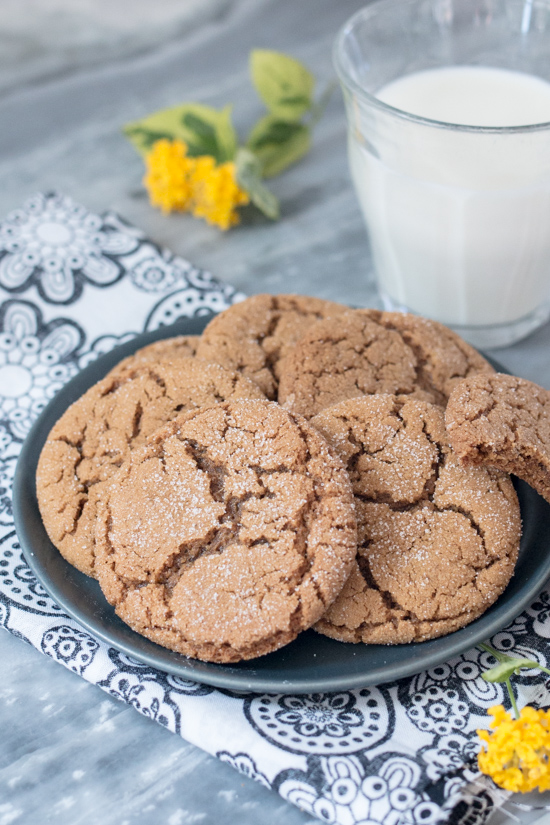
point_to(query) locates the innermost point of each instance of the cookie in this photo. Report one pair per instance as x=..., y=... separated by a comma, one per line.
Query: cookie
x=167, y=349
x=94, y=436
x=503, y=421
x=437, y=542
x=228, y=533
x=254, y=336
x=366, y=351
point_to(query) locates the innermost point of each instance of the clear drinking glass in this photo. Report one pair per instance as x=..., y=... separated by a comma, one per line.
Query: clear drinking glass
x=458, y=216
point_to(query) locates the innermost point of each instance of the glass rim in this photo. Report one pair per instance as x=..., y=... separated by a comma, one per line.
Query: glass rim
x=348, y=82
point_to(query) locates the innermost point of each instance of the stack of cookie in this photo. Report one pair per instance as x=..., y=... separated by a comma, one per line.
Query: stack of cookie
x=290, y=468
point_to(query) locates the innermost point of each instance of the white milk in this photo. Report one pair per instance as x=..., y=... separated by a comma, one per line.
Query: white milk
x=459, y=220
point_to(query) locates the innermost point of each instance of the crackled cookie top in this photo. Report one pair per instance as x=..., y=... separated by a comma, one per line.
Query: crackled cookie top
x=437, y=542
x=94, y=436
x=366, y=351
x=503, y=421
x=228, y=533
x=167, y=349
x=255, y=335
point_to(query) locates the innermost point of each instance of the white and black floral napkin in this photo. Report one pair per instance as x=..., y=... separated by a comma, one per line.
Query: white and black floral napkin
x=72, y=286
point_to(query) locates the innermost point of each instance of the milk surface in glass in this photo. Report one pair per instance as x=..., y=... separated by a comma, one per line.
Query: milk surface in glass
x=459, y=220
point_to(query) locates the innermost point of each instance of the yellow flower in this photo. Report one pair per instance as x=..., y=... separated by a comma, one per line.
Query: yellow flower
x=518, y=750
x=177, y=183
x=216, y=193
x=167, y=178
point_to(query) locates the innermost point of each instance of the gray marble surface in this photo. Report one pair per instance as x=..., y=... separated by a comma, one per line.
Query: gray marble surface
x=71, y=74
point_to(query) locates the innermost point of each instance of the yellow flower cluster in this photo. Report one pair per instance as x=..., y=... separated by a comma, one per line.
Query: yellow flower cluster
x=518, y=750
x=178, y=183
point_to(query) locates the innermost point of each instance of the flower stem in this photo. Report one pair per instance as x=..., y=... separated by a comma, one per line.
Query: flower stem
x=512, y=697
x=496, y=653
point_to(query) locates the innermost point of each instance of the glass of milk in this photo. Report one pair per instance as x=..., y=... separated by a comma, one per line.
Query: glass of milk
x=448, y=105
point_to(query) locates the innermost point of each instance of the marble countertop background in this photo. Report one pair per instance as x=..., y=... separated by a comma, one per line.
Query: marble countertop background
x=71, y=73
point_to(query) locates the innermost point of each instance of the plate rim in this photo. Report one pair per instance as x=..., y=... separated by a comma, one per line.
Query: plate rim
x=228, y=676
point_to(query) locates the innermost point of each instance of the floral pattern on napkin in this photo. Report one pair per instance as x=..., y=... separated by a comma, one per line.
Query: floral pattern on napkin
x=73, y=285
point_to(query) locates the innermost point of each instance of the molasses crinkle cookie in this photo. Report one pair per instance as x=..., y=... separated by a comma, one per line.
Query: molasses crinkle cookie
x=503, y=421
x=230, y=531
x=98, y=431
x=437, y=541
x=255, y=336
x=365, y=351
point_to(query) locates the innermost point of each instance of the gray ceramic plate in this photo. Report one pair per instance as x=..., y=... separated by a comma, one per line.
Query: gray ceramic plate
x=312, y=662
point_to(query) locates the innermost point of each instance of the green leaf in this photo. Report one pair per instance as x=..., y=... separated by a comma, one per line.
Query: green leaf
x=205, y=130
x=504, y=670
x=249, y=177
x=202, y=138
x=507, y=665
x=283, y=83
x=278, y=143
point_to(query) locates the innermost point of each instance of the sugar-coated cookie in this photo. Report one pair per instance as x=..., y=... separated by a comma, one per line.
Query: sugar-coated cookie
x=97, y=432
x=365, y=351
x=437, y=541
x=230, y=531
x=503, y=421
x=254, y=336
